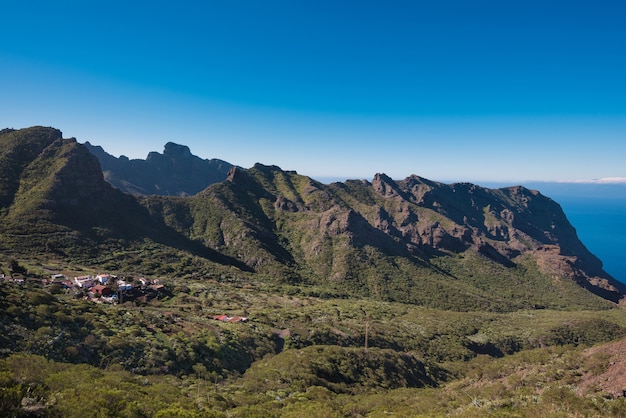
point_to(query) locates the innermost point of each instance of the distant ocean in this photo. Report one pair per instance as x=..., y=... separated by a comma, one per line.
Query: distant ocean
x=601, y=225
x=598, y=212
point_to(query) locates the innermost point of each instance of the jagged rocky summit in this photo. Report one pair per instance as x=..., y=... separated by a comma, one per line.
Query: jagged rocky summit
x=176, y=172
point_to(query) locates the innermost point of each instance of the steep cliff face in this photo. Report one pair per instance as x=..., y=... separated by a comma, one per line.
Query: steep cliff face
x=504, y=224
x=176, y=172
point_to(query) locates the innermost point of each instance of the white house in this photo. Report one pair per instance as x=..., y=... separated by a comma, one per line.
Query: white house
x=84, y=281
x=104, y=278
x=122, y=285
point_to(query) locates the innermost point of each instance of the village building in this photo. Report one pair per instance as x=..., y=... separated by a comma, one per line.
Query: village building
x=58, y=277
x=122, y=285
x=226, y=318
x=68, y=284
x=101, y=290
x=84, y=281
x=104, y=278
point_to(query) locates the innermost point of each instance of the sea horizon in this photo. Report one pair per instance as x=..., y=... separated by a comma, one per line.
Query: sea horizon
x=601, y=226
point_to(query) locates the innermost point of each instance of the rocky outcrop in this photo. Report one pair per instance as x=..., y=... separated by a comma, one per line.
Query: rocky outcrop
x=176, y=172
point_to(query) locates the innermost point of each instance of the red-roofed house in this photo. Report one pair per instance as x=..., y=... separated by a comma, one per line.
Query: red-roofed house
x=101, y=290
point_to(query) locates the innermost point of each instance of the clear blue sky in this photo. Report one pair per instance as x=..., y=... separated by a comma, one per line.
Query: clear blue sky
x=449, y=90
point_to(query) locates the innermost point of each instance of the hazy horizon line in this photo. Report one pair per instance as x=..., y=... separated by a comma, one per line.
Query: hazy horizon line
x=598, y=181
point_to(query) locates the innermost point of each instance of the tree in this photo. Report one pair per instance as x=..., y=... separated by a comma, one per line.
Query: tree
x=15, y=267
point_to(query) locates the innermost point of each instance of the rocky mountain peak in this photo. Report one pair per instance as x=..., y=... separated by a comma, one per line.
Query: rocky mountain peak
x=176, y=151
x=385, y=186
x=175, y=172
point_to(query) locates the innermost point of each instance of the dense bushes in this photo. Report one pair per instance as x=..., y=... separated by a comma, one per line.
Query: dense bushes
x=34, y=386
x=583, y=332
x=341, y=370
x=297, y=353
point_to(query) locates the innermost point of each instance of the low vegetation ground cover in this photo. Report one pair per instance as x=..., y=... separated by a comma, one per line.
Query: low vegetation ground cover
x=303, y=351
x=297, y=354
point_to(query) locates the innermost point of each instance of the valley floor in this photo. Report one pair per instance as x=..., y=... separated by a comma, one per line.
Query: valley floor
x=300, y=352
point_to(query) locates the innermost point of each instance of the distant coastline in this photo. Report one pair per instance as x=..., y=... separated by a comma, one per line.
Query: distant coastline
x=601, y=226
x=598, y=212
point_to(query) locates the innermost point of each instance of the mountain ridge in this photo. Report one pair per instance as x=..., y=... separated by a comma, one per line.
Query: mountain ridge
x=175, y=172
x=460, y=246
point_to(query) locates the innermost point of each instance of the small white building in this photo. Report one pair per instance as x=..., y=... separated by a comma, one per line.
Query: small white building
x=104, y=278
x=122, y=285
x=84, y=281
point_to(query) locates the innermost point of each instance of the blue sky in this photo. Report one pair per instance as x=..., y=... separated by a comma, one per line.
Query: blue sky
x=449, y=90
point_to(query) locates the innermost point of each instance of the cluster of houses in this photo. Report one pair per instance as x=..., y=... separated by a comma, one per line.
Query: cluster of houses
x=108, y=288
x=15, y=278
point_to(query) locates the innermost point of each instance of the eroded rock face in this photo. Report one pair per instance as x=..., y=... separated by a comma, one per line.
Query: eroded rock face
x=385, y=186
x=176, y=172
x=552, y=262
x=285, y=205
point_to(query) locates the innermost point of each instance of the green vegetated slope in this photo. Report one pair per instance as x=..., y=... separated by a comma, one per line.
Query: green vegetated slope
x=296, y=355
x=376, y=240
x=54, y=202
x=401, y=298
